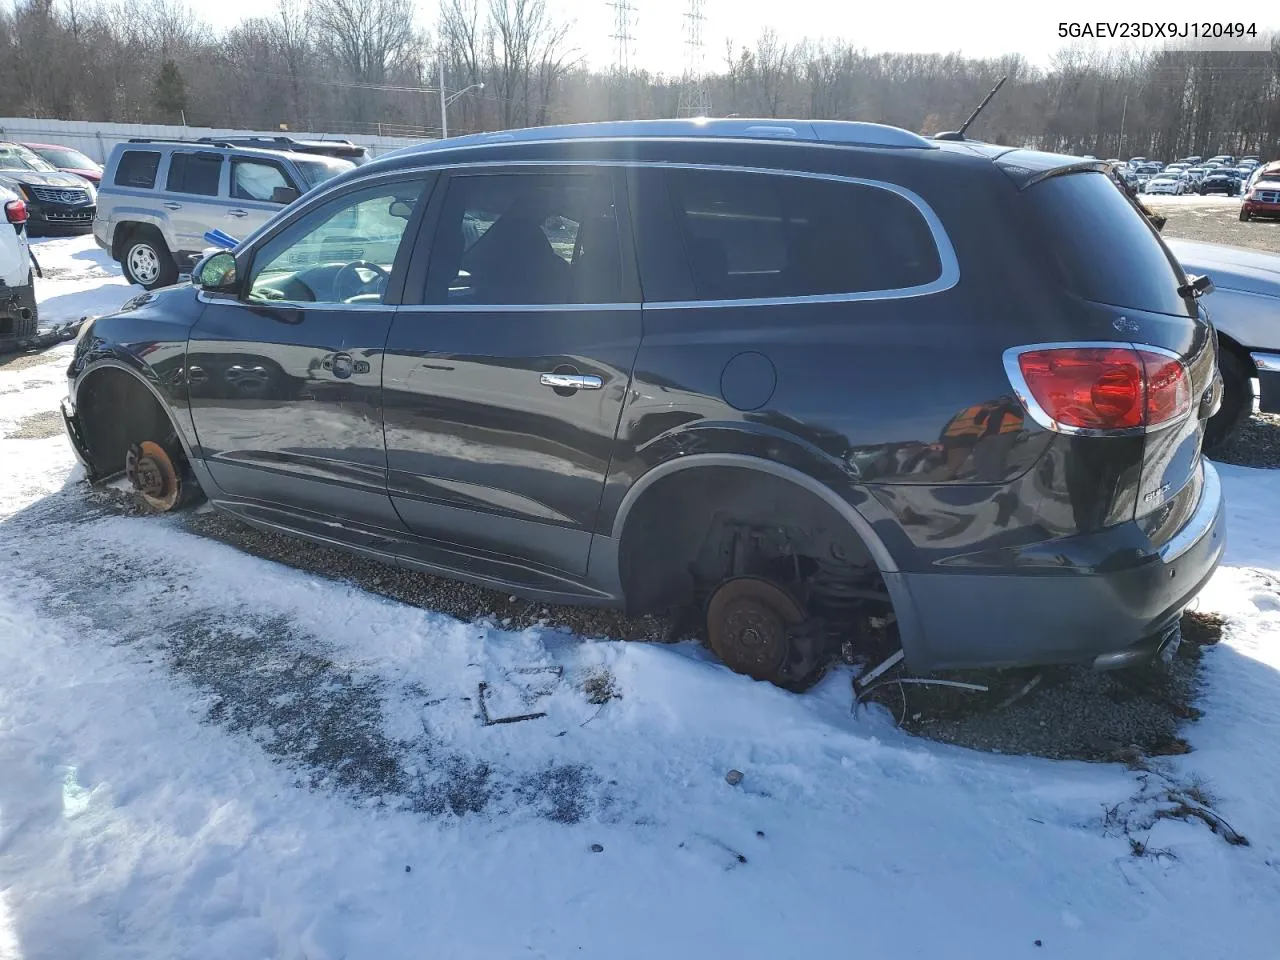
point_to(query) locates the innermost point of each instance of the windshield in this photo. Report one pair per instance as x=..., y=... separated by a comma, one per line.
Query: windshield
x=15, y=157
x=319, y=169
x=66, y=157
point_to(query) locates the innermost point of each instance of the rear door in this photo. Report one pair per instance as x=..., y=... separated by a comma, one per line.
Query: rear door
x=194, y=182
x=252, y=182
x=503, y=388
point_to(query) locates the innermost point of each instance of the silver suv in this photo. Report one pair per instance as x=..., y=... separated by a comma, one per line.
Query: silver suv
x=159, y=198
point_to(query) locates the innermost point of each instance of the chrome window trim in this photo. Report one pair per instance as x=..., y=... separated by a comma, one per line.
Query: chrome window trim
x=205, y=297
x=514, y=307
x=948, y=278
x=1041, y=416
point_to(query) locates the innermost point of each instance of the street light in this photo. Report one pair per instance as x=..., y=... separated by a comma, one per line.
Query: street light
x=445, y=101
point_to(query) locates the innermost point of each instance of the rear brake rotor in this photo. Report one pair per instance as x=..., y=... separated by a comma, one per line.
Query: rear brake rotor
x=153, y=475
x=747, y=623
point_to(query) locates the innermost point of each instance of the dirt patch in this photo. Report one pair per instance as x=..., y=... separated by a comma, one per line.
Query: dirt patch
x=27, y=359
x=1256, y=443
x=1213, y=222
x=38, y=426
x=1067, y=713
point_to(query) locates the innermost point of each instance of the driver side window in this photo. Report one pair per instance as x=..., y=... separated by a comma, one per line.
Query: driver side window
x=342, y=252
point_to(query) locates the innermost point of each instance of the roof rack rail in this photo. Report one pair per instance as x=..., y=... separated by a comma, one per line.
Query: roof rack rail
x=208, y=142
x=843, y=132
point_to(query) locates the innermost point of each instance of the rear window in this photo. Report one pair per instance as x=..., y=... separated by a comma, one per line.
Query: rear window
x=754, y=235
x=194, y=173
x=137, y=169
x=1102, y=248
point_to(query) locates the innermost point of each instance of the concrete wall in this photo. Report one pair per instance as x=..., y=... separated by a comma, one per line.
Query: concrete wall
x=96, y=139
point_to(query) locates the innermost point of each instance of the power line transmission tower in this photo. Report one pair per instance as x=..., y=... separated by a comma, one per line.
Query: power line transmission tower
x=622, y=38
x=694, y=99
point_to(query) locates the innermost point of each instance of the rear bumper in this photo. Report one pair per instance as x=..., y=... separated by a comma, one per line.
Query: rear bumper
x=1268, y=365
x=1112, y=616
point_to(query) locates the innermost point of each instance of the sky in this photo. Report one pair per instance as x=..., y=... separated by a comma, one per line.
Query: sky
x=975, y=29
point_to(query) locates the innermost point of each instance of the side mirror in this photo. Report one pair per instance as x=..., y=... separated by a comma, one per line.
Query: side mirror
x=401, y=209
x=285, y=195
x=1196, y=287
x=216, y=273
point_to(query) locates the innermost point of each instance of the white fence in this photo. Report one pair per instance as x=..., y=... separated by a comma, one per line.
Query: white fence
x=96, y=139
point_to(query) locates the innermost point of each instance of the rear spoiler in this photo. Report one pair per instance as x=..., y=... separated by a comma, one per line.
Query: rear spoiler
x=1028, y=167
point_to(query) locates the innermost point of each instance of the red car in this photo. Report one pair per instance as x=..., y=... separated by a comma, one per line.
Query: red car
x=1263, y=198
x=69, y=161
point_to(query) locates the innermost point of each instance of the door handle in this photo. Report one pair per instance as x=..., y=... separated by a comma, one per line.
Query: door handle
x=571, y=381
x=237, y=213
x=340, y=365
x=170, y=205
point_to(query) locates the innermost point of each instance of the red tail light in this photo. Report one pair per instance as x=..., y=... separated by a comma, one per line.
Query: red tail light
x=1099, y=388
x=15, y=211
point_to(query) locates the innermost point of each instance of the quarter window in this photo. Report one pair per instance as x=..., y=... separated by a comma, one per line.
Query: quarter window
x=137, y=168
x=342, y=252
x=756, y=235
x=194, y=173
x=527, y=238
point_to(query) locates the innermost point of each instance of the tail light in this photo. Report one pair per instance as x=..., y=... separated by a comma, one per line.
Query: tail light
x=15, y=211
x=1099, y=389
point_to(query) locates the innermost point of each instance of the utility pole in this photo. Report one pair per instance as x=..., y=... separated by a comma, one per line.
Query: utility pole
x=444, y=119
x=1124, y=111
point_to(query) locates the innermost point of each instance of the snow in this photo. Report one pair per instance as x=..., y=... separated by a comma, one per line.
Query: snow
x=136, y=824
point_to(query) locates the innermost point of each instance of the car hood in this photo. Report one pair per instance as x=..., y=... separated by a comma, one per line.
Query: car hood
x=1232, y=268
x=37, y=178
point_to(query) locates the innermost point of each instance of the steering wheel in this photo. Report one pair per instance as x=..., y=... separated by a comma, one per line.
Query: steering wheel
x=348, y=282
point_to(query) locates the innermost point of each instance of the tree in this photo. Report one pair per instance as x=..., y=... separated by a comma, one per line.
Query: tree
x=171, y=90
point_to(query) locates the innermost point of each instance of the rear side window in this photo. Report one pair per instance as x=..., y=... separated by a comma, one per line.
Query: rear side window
x=754, y=235
x=137, y=169
x=194, y=173
x=1100, y=245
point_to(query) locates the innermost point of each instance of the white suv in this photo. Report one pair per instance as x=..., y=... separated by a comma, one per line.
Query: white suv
x=17, y=290
x=159, y=198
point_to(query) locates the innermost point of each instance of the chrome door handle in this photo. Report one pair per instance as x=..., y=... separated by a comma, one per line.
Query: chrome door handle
x=237, y=213
x=571, y=381
x=170, y=205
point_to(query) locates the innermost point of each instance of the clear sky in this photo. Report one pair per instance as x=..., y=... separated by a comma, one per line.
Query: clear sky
x=978, y=29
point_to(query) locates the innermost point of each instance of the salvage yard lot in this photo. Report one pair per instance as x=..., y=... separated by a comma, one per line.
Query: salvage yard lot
x=205, y=753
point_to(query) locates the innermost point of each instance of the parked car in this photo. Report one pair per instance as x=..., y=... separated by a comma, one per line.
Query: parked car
x=1196, y=174
x=1221, y=180
x=56, y=202
x=160, y=197
x=1262, y=199
x=18, y=311
x=1250, y=161
x=1173, y=184
x=1245, y=311
x=68, y=160
x=727, y=366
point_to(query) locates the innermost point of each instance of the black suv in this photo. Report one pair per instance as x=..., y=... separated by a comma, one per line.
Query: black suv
x=817, y=382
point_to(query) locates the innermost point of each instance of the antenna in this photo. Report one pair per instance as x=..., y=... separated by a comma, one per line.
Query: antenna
x=959, y=134
x=694, y=99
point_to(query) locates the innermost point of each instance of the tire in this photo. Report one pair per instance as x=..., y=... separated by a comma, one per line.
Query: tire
x=1237, y=401
x=1244, y=215
x=146, y=260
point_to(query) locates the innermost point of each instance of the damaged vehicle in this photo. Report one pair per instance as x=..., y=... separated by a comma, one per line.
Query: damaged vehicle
x=816, y=385
x=1245, y=311
x=18, y=311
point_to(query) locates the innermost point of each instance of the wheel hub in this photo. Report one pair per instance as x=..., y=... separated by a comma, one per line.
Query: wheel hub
x=153, y=475
x=747, y=624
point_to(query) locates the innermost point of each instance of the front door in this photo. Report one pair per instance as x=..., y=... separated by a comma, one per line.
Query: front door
x=503, y=389
x=253, y=182
x=285, y=381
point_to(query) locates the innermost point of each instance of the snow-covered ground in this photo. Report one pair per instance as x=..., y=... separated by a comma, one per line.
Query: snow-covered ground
x=207, y=755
